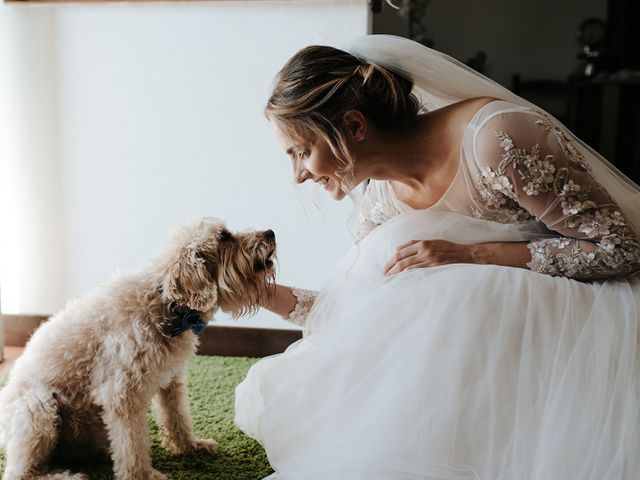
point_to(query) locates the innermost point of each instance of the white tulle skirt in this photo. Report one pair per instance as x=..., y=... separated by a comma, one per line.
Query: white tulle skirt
x=452, y=372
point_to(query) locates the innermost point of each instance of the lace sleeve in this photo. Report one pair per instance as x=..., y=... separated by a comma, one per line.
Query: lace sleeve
x=530, y=168
x=305, y=300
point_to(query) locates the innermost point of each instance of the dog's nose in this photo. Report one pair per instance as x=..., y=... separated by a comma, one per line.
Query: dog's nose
x=270, y=235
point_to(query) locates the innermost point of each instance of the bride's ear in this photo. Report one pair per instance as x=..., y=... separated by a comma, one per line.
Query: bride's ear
x=356, y=124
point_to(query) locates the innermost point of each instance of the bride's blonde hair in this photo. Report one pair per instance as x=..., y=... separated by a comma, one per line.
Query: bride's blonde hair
x=319, y=84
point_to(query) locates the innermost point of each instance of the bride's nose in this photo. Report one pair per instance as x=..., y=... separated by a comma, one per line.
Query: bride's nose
x=302, y=175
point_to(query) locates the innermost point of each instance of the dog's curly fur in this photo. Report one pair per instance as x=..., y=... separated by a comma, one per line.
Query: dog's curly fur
x=88, y=374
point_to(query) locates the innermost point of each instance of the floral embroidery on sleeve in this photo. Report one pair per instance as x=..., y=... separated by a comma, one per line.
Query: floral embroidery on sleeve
x=499, y=198
x=559, y=189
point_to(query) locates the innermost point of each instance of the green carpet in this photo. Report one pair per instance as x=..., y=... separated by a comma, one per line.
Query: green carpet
x=211, y=389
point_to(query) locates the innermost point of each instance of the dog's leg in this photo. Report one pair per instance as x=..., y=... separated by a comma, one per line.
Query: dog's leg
x=32, y=437
x=171, y=409
x=128, y=432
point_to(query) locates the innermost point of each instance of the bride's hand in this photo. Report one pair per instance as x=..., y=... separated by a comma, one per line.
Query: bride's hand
x=427, y=253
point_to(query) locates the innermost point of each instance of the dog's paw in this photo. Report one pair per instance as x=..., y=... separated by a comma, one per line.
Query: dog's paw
x=190, y=446
x=201, y=445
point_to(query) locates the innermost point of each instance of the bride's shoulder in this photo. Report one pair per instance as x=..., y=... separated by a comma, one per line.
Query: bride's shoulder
x=471, y=106
x=497, y=107
x=504, y=115
x=475, y=103
x=464, y=112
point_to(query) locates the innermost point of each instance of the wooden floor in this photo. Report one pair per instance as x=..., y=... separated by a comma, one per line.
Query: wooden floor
x=10, y=355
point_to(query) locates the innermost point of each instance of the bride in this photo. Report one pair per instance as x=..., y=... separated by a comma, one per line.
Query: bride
x=485, y=323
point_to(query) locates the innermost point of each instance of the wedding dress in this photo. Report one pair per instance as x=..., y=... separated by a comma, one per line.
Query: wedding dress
x=469, y=371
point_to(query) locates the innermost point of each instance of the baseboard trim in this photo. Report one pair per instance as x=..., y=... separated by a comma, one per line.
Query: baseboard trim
x=214, y=339
x=18, y=328
x=245, y=341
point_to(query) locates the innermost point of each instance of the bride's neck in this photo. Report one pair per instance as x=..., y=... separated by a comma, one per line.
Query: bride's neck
x=409, y=157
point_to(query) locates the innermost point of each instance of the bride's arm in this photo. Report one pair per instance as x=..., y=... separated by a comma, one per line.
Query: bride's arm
x=508, y=254
x=530, y=169
x=531, y=161
x=431, y=253
x=291, y=303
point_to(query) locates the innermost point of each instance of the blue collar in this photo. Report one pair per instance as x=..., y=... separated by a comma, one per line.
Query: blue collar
x=189, y=318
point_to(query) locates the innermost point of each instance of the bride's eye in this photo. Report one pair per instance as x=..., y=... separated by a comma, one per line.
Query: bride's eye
x=304, y=154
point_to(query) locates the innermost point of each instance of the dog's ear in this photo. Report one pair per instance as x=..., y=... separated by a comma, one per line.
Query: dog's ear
x=187, y=282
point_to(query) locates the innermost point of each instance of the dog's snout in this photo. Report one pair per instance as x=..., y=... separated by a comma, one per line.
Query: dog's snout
x=270, y=235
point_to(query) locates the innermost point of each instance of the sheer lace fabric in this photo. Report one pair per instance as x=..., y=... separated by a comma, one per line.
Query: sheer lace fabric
x=516, y=165
x=304, y=301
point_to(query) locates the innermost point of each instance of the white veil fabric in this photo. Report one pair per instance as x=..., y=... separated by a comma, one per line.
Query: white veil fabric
x=441, y=80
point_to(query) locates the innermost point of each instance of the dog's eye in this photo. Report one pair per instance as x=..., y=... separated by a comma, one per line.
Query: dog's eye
x=225, y=235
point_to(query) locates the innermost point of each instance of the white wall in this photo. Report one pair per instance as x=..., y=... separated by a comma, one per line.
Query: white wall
x=32, y=266
x=159, y=118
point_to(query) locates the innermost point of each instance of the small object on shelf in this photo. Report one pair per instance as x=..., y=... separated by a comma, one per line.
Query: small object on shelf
x=591, y=34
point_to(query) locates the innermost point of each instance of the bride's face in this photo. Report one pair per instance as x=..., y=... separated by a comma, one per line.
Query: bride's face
x=312, y=159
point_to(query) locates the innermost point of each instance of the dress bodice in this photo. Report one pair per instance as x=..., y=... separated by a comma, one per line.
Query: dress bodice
x=518, y=165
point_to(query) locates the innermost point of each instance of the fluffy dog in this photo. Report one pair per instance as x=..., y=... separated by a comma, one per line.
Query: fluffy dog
x=88, y=374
